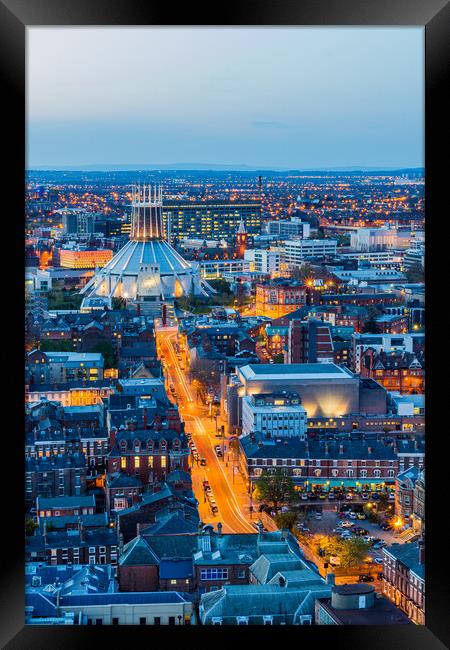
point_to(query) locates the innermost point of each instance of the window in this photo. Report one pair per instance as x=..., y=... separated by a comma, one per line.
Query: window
x=173, y=582
x=377, y=473
x=115, y=621
x=268, y=620
x=163, y=461
x=241, y=573
x=215, y=620
x=99, y=621
x=123, y=462
x=242, y=620
x=136, y=462
x=171, y=620
x=214, y=574
x=157, y=620
x=305, y=620
x=150, y=461
x=142, y=620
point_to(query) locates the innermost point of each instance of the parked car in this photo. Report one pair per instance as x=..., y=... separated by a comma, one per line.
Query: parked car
x=318, y=515
x=347, y=524
x=349, y=496
x=380, y=575
x=378, y=560
x=364, y=496
x=304, y=497
x=361, y=515
x=379, y=545
x=331, y=496
x=365, y=577
x=375, y=496
x=391, y=496
x=352, y=515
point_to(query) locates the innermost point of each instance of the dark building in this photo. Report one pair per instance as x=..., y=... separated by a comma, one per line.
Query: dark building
x=61, y=475
x=309, y=342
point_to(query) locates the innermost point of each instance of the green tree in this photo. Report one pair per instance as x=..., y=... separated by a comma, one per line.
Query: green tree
x=30, y=527
x=331, y=545
x=286, y=519
x=370, y=325
x=105, y=348
x=415, y=273
x=278, y=358
x=354, y=552
x=56, y=346
x=275, y=489
x=220, y=285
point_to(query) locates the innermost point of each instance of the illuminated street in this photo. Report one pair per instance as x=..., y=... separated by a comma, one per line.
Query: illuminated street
x=227, y=485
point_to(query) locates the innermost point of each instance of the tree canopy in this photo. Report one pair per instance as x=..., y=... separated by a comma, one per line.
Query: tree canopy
x=275, y=489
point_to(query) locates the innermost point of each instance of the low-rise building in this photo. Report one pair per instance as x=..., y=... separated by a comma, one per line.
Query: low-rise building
x=404, y=578
x=274, y=415
x=357, y=604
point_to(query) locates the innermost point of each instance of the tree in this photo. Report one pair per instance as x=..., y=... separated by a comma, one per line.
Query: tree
x=286, y=519
x=370, y=326
x=354, y=552
x=278, y=358
x=56, y=346
x=220, y=285
x=30, y=527
x=330, y=545
x=415, y=273
x=276, y=488
x=105, y=348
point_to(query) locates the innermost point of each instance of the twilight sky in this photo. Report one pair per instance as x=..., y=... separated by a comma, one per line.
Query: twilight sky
x=299, y=98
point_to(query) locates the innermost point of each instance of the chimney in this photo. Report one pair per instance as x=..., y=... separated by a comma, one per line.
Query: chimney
x=282, y=581
x=260, y=527
x=369, y=450
x=81, y=529
x=138, y=529
x=219, y=528
x=145, y=418
x=330, y=579
x=422, y=549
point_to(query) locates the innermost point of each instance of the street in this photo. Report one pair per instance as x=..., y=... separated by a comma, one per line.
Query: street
x=228, y=487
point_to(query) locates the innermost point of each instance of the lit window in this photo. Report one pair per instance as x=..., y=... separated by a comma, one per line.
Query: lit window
x=136, y=462
x=163, y=461
x=150, y=461
x=123, y=462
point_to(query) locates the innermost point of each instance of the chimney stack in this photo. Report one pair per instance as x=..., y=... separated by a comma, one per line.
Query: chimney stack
x=219, y=528
x=331, y=579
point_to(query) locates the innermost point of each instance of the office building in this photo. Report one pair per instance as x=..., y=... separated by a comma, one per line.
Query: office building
x=210, y=219
x=274, y=415
x=297, y=251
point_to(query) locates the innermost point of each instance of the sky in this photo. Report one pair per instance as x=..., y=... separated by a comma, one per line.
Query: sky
x=277, y=98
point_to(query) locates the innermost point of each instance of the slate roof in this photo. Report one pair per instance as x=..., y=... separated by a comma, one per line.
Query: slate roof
x=299, y=449
x=266, y=566
x=407, y=554
x=137, y=553
x=72, y=539
x=256, y=601
x=173, y=569
x=66, y=502
x=125, y=598
x=120, y=479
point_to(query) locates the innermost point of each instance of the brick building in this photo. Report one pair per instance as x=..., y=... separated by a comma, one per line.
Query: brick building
x=396, y=371
x=404, y=578
x=277, y=298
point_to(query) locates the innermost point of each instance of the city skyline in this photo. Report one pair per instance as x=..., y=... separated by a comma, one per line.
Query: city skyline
x=284, y=98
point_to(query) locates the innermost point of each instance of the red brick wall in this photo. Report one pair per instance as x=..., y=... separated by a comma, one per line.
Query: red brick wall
x=138, y=578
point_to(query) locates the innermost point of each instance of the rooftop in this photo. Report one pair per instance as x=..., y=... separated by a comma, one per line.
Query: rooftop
x=295, y=371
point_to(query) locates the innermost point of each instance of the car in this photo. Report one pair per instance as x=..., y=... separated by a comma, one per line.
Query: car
x=311, y=495
x=352, y=515
x=364, y=496
x=322, y=496
x=349, y=496
x=331, y=496
x=378, y=560
x=347, y=524
x=346, y=535
x=391, y=496
x=375, y=496
x=379, y=545
x=380, y=575
x=203, y=461
x=304, y=497
x=219, y=453
x=318, y=515
x=365, y=577
x=361, y=515
x=368, y=538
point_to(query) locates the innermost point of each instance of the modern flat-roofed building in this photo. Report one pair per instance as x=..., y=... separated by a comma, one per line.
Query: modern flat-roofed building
x=210, y=219
x=275, y=414
x=325, y=389
x=293, y=227
x=298, y=250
